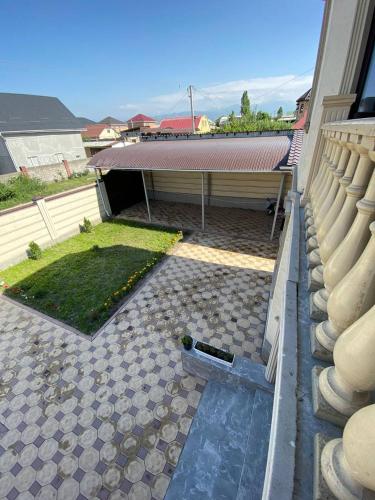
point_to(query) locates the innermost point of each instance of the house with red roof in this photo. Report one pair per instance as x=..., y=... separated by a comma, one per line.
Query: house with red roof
x=184, y=124
x=141, y=120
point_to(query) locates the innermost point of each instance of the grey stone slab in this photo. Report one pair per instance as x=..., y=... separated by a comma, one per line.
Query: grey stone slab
x=243, y=371
x=317, y=350
x=213, y=457
x=322, y=409
x=252, y=479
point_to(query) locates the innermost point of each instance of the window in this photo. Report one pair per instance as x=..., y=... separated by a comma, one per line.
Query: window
x=365, y=104
x=59, y=157
x=34, y=162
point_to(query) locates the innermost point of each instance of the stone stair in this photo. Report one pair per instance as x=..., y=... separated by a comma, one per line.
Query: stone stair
x=225, y=455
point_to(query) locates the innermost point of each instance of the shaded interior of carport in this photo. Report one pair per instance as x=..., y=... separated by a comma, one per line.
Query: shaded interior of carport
x=255, y=155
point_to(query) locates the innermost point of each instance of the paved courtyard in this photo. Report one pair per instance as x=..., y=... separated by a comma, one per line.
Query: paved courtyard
x=107, y=417
x=248, y=224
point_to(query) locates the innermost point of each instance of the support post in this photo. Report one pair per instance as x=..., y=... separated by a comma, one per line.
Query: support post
x=146, y=196
x=203, y=201
x=277, y=205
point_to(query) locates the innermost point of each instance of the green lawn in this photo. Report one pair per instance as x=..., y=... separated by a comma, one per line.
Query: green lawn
x=81, y=280
x=24, y=189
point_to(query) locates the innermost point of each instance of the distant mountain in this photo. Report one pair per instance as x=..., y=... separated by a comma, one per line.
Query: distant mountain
x=110, y=119
x=85, y=121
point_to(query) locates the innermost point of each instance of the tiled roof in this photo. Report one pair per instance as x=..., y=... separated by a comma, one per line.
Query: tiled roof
x=295, y=148
x=141, y=118
x=300, y=124
x=306, y=96
x=25, y=112
x=94, y=130
x=256, y=154
x=182, y=123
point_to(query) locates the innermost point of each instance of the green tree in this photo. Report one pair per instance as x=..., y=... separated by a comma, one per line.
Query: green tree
x=231, y=118
x=245, y=104
x=262, y=115
x=280, y=112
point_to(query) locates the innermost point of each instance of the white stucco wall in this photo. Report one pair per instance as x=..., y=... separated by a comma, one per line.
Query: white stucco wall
x=328, y=77
x=45, y=147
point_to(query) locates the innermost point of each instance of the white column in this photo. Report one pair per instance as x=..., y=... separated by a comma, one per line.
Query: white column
x=348, y=464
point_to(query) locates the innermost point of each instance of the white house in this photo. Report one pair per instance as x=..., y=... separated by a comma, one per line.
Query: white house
x=35, y=131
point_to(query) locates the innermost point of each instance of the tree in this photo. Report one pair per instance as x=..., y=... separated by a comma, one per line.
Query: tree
x=245, y=104
x=280, y=112
x=262, y=115
x=231, y=118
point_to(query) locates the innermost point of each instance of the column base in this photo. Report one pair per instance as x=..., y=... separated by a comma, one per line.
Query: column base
x=343, y=399
x=326, y=335
x=317, y=350
x=322, y=409
x=309, y=222
x=311, y=244
x=316, y=314
x=313, y=259
x=321, y=490
x=315, y=279
x=311, y=231
x=337, y=474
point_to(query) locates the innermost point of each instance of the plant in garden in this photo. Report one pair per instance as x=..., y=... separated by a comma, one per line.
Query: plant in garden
x=6, y=192
x=34, y=251
x=187, y=342
x=87, y=226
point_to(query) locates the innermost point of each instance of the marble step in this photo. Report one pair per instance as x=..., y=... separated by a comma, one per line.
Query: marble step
x=215, y=456
x=251, y=483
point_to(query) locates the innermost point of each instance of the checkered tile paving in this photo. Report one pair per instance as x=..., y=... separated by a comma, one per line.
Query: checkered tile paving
x=249, y=224
x=107, y=417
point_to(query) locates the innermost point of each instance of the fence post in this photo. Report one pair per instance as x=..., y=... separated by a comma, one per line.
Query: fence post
x=25, y=171
x=41, y=204
x=67, y=168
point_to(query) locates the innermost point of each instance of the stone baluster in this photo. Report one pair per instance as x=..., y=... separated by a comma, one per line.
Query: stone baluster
x=334, y=210
x=348, y=464
x=347, y=385
x=324, y=185
x=342, y=155
x=350, y=298
x=354, y=192
x=322, y=170
x=340, y=227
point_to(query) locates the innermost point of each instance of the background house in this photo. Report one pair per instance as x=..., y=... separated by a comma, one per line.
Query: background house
x=303, y=104
x=37, y=130
x=114, y=123
x=183, y=123
x=138, y=121
x=100, y=132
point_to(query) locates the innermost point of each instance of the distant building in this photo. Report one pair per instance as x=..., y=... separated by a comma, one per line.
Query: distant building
x=140, y=121
x=100, y=132
x=289, y=118
x=37, y=130
x=114, y=123
x=303, y=104
x=184, y=124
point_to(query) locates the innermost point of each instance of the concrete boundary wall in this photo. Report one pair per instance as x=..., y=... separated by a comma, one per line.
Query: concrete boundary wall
x=49, y=220
x=50, y=173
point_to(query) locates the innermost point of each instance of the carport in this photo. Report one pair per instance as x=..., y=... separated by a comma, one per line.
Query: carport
x=262, y=154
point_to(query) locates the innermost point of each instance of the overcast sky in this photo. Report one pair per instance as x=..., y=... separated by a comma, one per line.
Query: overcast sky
x=120, y=59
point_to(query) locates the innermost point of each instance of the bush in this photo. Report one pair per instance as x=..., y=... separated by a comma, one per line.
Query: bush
x=6, y=192
x=87, y=226
x=34, y=252
x=187, y=342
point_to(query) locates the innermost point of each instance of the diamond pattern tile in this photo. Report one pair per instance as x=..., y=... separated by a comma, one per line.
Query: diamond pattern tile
x=107, y=417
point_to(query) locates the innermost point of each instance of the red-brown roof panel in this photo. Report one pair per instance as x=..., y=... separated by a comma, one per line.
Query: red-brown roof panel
x=255, y=154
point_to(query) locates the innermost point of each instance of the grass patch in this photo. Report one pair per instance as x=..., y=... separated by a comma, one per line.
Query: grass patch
x=81, y=280
x=22, y=189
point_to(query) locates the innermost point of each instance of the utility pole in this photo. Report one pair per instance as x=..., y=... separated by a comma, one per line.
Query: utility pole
x=190, y=94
